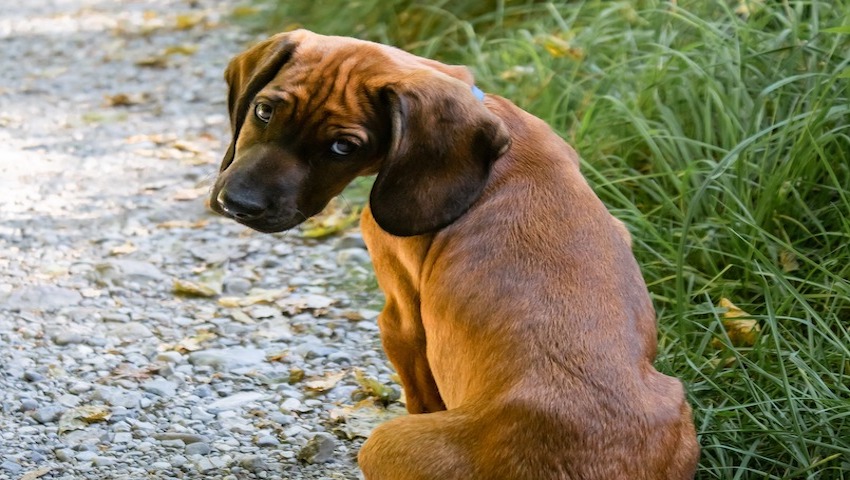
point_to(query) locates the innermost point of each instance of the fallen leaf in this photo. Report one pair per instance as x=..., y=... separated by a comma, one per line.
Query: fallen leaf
x=192, y=289
x=325, y=383
x=80, y=417
x=371, y=387
x=359, y=420
x=277, y=357
x=38, y=473
x=154, y=61
x=558, y=47
x=125, y=99
x=123, y=249
x=256, y=296
x=180, y=50
x=242, y=317
x=187, y=21
x=189, y=344
x=333, y=219
x=788, y=261
x=741, y=330
x=243, y=11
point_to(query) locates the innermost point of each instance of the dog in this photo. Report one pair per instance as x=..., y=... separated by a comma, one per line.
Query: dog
x=516, y=315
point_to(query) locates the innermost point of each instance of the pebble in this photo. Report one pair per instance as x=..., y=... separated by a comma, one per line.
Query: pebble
x=163, y=388
x=268, y=441
x=235, y=401
x=48, y=414
x=319, y=448
x=198, y=448
x=11, y=467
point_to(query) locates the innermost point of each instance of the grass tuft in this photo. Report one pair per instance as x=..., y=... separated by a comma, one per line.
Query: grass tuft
x=719, y=131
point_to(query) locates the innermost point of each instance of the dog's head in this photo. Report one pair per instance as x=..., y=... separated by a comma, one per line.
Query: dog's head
x=309, y=113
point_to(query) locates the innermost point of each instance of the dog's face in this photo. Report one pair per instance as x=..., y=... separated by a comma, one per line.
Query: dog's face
x=309, y=113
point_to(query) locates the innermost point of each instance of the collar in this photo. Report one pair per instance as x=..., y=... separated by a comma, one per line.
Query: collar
x=478, y=93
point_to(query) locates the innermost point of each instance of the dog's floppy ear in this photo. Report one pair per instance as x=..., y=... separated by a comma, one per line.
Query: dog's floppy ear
x=444, y=142
x=246, y=75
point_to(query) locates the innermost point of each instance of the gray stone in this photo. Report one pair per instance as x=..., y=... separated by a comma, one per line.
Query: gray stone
x=33, y=376
x=68, y=338
x=48, y=414
x=319, y=449
x=208, y=464
x=131, y=331
x=161, y=466
x=64, y=454
x=28, y=404
x=86, y=456
x=123, y=437
x=252, y=463
x=42, y=298
x=351, y=240
x=11, y=467
x=198, y=449
x=187, y=438
x=356, y=256
x=268, y=441
x=228, y=358
x=169, y=356
x=101, y=461
x=161, y=387
x=121, y=271
x=235, y=401
x=236, y=286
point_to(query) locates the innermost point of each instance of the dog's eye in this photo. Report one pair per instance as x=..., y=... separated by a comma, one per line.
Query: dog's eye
x=343, y=147
x=263, y=111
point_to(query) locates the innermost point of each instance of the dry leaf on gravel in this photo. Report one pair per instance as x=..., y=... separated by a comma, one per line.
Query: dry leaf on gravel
x=359, y=420
x=189, y=344
x=80, y=417
x=255, y=296
x=35, y=474
x=126, y=99
x=324, y=383
x=371, y=387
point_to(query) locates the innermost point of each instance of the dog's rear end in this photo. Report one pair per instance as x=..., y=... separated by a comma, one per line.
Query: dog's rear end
x=515, y=314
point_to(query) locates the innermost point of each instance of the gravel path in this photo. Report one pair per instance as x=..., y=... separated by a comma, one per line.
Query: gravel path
x=112, y=122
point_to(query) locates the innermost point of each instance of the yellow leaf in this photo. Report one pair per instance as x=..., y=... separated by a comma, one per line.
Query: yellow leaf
x=741, y=330
x=79, y=417
x=325, y=383
x=559, y=48
x=788, y=261
x=38, y=473
x=371, y=387
x=192, y=289
x=359, y=420
x=258, y=295
x=187, y=21
x=123, y=249
x=333, y=219
x=180, y=50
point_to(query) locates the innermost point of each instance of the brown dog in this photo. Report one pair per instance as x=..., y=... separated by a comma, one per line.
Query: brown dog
x=515, y=312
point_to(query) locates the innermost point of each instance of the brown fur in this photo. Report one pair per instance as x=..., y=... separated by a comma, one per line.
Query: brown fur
x=515, y=312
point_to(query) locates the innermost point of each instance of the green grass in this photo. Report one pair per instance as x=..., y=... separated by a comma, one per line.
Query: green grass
x=722, y=138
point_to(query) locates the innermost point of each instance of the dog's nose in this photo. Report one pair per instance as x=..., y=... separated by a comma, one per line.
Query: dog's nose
x=240, y=207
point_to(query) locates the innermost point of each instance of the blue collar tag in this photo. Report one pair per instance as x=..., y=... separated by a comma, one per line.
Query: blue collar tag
x=478, y=93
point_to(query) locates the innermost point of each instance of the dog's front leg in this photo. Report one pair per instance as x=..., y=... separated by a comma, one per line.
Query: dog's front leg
x=398, y=262
x=403, y=338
